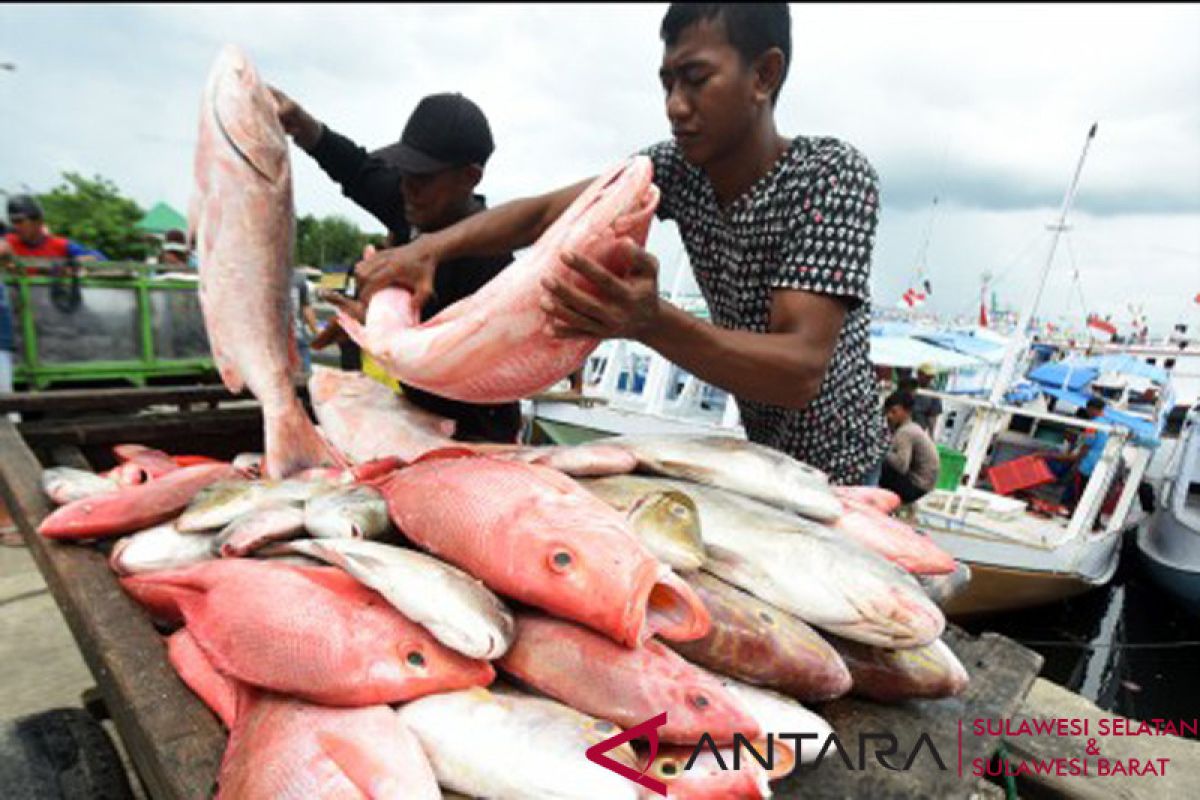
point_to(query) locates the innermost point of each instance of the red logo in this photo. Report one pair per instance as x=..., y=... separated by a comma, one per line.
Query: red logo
x=649, y=729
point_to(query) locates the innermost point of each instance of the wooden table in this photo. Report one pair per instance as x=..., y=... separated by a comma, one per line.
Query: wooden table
x=176, y=743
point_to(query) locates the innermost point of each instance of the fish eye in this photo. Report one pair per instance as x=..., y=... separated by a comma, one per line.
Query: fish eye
x=415, y=659
x=767, y=618
x=561, y=560
x=700, y=701
x=668, y=769
x=679, y=510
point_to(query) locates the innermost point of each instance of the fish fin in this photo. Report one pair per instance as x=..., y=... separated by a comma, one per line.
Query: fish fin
x=163, y=594
x=444, y=453
x=219, y=692
x=373, y=776
x=294, y=444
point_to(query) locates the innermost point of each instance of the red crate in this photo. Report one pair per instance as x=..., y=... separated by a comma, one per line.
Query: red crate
x=1020, y=473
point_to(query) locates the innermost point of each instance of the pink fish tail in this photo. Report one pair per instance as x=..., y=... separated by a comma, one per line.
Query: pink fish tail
x=293, y=444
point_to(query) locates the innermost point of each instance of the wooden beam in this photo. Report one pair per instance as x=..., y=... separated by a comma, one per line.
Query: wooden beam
x=174, y=740
x=57, y=401
x=150, y=429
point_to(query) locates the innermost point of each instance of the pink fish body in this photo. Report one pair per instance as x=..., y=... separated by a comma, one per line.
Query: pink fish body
x=493, y=346
x=597, y=676
x=286, y=749
x=883, y=499
x=134, y=508
x=892, y=539
x=366, y=420
x=535, y=535
x=311, y=632
x=243, y=221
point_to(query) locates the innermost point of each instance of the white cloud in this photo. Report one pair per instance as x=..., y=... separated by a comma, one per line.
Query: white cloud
x=985, y=106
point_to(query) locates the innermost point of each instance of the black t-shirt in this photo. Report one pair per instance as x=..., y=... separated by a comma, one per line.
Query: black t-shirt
x=374, y=185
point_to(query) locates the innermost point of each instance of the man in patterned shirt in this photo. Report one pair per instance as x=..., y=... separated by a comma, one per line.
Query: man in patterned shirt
x=779, y=232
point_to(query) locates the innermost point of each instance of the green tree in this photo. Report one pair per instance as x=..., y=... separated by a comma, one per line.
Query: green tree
x=94, y=213
x=330, y=240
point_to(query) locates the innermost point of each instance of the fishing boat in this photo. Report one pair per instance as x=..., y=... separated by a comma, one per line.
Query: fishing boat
x=1028, y=551
x=1170, y=543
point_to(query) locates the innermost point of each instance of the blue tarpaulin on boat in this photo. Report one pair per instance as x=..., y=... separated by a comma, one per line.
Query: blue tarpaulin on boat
x=989, y=351
x=1075, y=374
x=1085, y=370
x=1144, y=431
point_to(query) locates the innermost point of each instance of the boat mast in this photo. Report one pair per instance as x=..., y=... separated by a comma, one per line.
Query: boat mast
x=1018, y=344
x=990, y=420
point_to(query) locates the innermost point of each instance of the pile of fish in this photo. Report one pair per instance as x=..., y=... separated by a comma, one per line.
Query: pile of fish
x=375, y=610
x=477, y=617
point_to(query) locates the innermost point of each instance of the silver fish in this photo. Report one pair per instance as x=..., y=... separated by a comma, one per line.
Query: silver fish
x=505, y=745
x=158, y=548
x=66, y=484
x=349, y=512
x=273, y=522
x=802, y=567
x=457, y=609
x=220, y=504
x=667, y=522
x=738, y=466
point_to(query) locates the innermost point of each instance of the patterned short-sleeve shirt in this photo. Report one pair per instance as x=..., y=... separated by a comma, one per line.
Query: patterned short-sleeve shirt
x=808, y=224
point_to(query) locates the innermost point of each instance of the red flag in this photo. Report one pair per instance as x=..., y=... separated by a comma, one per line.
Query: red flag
x=1102, y=325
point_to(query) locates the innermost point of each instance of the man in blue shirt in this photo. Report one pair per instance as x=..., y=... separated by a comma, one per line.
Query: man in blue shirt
x=1075, y=468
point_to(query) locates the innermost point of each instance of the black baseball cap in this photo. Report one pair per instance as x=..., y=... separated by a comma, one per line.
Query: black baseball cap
x=445, y=130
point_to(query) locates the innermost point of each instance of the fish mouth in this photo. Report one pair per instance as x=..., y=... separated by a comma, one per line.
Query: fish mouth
x=673, y=610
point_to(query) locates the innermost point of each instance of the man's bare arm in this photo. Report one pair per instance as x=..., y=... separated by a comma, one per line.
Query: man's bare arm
x=506, y=227
x=784, y=366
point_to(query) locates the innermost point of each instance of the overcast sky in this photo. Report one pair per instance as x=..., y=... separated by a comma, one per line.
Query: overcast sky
x=985, y=107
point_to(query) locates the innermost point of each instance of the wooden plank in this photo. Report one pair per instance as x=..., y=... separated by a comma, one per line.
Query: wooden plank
x=192, y=428
x=58, y=401
x=1050, y=701
x=93, y=399
x=1001, y=673
x=174, y=740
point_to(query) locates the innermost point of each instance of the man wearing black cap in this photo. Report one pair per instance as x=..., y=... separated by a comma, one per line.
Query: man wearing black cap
x=423, y=183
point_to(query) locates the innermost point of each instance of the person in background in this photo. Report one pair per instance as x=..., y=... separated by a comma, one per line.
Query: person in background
x=29, y=237
x=421, y=184
x=1074, y=469
x=926, y=410
x=304, y=318
x=175, y=252
x=911, y=467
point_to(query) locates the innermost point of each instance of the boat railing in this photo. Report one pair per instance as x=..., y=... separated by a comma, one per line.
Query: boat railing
x=1119, y=447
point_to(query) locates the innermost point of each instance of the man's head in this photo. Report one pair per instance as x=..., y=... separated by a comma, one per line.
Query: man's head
x=26, y=216
x=897, y=408
x=925, y=374
x=722, y=70
x=441, y=155
x=1094, y=408
x=175, y=249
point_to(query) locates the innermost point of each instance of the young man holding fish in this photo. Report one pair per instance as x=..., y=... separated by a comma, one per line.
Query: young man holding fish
x=779, y=232
x=421, y=184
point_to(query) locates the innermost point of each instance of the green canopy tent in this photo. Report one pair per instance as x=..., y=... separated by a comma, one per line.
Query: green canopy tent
x=161, y=219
